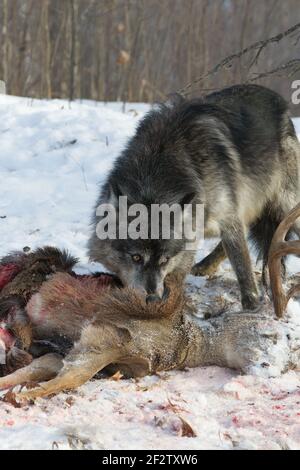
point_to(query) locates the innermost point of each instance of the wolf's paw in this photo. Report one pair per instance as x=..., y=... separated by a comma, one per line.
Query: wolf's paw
x=204, y=269
x=250, y=301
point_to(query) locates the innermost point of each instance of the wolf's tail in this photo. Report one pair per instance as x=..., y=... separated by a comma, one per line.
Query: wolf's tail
x=262, y=232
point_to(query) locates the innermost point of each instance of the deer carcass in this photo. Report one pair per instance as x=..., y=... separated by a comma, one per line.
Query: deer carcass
x=118, y=329
x=96, y=325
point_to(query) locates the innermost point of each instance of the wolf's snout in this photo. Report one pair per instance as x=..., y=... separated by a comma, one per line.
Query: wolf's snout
x=152, y=298
x=166, y=293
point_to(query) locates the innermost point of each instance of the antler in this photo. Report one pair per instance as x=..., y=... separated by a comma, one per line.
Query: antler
x=279, y=248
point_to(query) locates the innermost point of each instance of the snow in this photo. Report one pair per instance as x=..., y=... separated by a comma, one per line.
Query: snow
x=53, y=156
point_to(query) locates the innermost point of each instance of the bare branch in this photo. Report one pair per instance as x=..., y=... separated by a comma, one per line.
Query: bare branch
x=228, y=61
x=292, y=65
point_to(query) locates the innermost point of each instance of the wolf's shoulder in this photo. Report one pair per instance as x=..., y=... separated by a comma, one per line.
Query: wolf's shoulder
x=248, y=95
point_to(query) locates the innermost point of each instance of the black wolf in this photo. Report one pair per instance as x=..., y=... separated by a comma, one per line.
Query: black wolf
x=236, y=152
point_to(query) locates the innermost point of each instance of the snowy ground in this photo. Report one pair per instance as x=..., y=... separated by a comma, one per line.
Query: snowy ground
x=52, y=157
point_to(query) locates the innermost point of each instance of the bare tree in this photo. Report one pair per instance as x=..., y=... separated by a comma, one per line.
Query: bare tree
x=141, y=50
x=47, y=74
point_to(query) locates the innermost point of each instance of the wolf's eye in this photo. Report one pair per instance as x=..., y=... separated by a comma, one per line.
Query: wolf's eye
x=163, y=260
x=137, y=258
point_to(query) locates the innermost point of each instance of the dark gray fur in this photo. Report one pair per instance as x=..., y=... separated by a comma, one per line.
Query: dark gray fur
x=236, y=151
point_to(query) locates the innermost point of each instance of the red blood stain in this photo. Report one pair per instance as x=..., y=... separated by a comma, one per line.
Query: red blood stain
x=235, y=420
x=278, y=407
x=7, y=273
x=9, y=422
x=7, y=338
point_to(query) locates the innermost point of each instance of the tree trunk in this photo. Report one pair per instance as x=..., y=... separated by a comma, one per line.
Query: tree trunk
x=75, y=51
x=5, y=41
x=47, y=50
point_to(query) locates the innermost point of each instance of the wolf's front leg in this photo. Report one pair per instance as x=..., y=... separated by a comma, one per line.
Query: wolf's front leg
x=235, y=245
x=209, y=265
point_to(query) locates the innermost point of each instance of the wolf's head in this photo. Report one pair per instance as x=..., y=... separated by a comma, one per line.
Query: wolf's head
x=154, y=169
x=144, y=262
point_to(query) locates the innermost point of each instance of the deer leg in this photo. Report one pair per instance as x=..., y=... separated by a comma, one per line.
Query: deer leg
x=78, y=369
x=43, y=368
x=209, y=265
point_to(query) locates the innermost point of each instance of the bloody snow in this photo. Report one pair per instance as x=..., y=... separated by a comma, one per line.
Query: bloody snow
x=53, y=155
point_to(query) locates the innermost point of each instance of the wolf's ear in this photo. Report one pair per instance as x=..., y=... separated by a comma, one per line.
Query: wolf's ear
x=174, y=99
x=187, y=199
